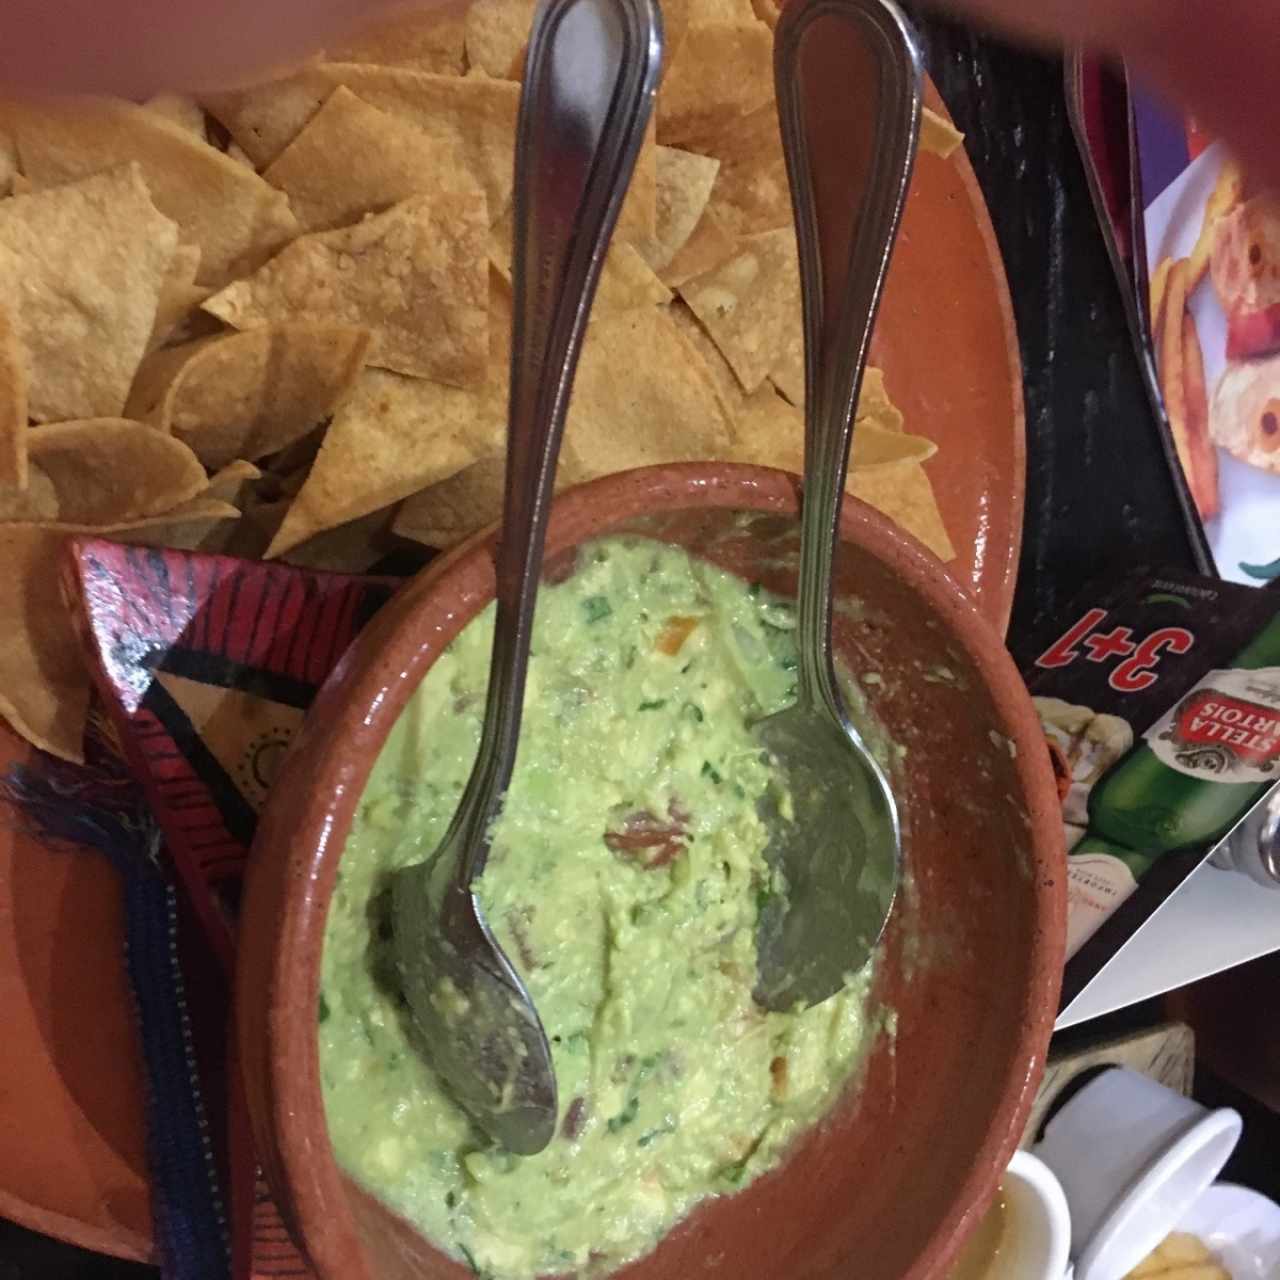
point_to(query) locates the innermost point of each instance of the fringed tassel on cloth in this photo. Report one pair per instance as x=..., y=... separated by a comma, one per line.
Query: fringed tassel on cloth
x=99, y=806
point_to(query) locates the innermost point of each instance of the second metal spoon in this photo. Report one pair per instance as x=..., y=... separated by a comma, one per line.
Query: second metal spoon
x=590, y=78
x=850, y=77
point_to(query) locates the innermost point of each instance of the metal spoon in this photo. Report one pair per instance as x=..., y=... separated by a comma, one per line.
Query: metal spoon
x=849, y=76
x=589, y=84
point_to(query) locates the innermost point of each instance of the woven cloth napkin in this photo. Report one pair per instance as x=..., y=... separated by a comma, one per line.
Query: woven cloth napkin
x=204, y=667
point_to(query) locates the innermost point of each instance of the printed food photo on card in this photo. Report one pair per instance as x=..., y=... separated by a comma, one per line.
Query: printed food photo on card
x=1213, y=309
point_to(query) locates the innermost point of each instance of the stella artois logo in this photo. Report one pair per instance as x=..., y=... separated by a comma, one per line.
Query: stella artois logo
x=1227, y=728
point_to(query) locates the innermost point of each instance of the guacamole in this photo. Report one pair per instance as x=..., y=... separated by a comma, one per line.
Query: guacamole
x=625, y=883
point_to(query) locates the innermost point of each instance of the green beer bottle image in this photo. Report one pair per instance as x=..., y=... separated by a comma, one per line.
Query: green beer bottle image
x=1195, y=773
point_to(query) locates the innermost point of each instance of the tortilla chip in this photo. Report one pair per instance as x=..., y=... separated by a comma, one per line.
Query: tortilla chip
x=354, y=547
x=903, y=493
x=210, y=522
x=766, y=430
x=421, y=39
x=178, y=109
x=684, y=187
x=227, y=484
x=675, y=23
x=874, y=406
x=722, y=70
x=726, y=382
x=472, y=119
x=44, y=682
x=8, y=164
x=752, y=192
x=179, y=296
x=736, y=13
x=497, y=31
x=768, y=11
x=938, y=136
x=626, y=280
x=262, y=119
x=392, y=437
x=353, y=159
x=286, y=471
x=769, y=431
x=235, y=218
x=190, y=526
x=638, y=217
x=84, y=264
x=251, y=394
x=237, y=153
x=395, y=435
x=873, y=446
x=111, y=470
x=708, y=246
x=642, y=396
x=417, y=276
x=38, y=501
x=501, y=244
x=750, y=305
x=454, y=509
x=13, y=406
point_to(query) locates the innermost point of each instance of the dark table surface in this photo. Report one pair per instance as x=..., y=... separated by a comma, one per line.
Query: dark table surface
x=1098, y=487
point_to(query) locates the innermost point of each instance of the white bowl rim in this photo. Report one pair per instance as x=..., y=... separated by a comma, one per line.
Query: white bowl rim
x=1216, y=1124
x=1043, y=1182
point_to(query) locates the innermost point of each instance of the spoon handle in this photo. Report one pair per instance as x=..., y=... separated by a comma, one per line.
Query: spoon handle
x=590, y=77
x=850, y=80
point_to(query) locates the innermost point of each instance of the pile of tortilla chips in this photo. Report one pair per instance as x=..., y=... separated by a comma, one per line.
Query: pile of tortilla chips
x=276, y=322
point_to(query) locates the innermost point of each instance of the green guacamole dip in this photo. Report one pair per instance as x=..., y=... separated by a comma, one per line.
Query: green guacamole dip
x=626, y=879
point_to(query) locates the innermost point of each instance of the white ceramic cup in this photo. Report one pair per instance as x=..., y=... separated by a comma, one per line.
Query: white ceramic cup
x=1034, y=1240
x=1039, y=1239
x=1132, y=1157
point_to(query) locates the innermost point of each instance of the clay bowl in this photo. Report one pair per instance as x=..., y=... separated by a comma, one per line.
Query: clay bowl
x=887, y=1188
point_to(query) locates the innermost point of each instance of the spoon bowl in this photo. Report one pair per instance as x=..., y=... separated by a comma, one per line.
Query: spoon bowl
x=838, y=850
x=850, y=83
x=590, y=78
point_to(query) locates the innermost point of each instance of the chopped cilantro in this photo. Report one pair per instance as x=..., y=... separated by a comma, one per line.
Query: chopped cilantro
x=753, y=590
x=324, y=1009
x=710, y=771
x=656, y=705
x=625, y=1116
x=597, y=608
x=694, y=712
x=654, y=1134
x=470, y=1259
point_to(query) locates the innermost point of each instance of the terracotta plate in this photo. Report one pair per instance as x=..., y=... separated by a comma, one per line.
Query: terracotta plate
x=71, y=1141
x=947, y=343
x=72, y=1158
